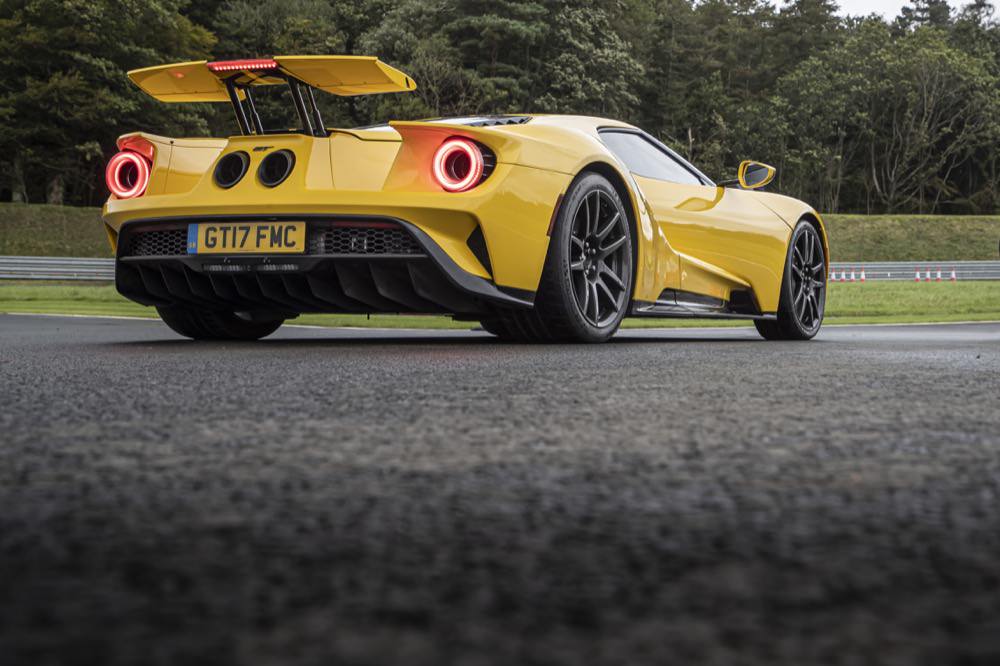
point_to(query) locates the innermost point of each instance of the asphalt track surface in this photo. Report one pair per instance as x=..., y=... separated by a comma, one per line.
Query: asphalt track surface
x=373, y=497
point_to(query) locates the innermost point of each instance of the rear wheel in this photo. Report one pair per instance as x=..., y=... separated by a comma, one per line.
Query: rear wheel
x=587, y=280
x=494, y=326
x=210, y=325
x=803, y=289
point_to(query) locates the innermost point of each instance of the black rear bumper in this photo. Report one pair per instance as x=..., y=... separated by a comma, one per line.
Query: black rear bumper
x=353, y=265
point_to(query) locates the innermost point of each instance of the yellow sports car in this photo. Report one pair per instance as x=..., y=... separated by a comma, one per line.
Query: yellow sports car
x=542, y=228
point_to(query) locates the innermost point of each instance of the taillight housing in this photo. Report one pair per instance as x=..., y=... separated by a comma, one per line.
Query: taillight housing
x=127, y=174
x=459, y=165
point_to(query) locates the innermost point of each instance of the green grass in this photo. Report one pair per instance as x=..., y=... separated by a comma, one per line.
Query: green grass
x=64, y=231
x=863, y=238
x=871, y=303
x=52, y=231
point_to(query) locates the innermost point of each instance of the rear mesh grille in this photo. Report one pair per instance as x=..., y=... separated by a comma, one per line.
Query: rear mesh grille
x=168, y=243
x=379, y=239
x=363, y=241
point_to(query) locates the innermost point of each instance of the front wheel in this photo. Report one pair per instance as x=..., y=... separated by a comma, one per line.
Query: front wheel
x=211, y=325
x=803, y=289
x=587, y=280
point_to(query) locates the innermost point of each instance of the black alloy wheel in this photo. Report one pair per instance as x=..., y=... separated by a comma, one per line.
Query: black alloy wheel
x=803, y=289
x=586, y=284
x=600, y=258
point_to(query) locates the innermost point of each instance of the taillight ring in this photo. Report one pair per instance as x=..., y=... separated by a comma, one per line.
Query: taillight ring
x=127, y=175
x=458, y=165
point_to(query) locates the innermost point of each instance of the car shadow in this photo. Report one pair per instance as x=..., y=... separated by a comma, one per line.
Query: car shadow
x=469, y=339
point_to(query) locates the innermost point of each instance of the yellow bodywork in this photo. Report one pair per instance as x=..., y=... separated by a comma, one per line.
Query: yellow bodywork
x=702, y=239
x=344, y=76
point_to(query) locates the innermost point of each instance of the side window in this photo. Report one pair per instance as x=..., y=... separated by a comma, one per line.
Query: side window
x=644, y=159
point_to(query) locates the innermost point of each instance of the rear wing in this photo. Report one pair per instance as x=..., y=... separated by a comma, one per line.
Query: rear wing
x=232, y=81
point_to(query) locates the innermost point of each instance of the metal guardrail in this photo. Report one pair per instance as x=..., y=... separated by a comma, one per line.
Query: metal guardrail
x=925, y=271
x=68, y=268
x=56, y=268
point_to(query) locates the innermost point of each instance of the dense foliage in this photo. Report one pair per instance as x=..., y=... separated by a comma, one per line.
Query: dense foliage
x=858, y=114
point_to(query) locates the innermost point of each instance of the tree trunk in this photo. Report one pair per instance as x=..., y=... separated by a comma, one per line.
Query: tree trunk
x=56, y=190
x=18, y=189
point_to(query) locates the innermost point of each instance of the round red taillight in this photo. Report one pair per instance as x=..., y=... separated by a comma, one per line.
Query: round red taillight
x=458, y=165
x=127, y=174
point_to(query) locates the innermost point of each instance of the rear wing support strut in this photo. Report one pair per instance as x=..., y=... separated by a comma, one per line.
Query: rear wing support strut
x=241, y=116
x=305, y=106
x=300, y=106
x=254, y=116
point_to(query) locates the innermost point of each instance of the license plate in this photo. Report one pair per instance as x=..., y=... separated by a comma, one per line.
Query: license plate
x=246, y=238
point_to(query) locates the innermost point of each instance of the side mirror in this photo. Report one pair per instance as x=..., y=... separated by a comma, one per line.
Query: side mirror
x=755, y=175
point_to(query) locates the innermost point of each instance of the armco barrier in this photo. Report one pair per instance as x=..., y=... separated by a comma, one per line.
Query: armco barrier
x=56, y=268
x=909, y=270
x=68, y=268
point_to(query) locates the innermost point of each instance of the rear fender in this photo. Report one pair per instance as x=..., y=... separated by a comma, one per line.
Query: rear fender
x=178, y=164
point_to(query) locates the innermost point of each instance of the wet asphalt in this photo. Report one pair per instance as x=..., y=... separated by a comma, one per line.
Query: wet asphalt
x=380, y=497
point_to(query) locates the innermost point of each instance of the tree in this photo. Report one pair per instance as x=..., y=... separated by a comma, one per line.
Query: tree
x=64, y=97
x=898, y=117
x=924, y=13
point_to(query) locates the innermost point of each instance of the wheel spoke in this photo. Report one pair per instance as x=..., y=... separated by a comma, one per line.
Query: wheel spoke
x=602, y=233
x=798, y=254
x=800, y=307
x=607, y=292
x=594, y=304
x=606, y=270
x=586, y=296
x=595, y=212
x=577, y=265
x=615, y=244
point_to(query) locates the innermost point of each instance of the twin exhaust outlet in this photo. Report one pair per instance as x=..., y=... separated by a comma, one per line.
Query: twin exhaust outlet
x=273, y=170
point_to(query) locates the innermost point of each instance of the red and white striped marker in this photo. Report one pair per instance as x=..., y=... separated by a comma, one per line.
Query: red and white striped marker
x=853, y=279
x=863, y=278
x=938, y=279
x=916, y=276
x=954, y=278
x=928, y=277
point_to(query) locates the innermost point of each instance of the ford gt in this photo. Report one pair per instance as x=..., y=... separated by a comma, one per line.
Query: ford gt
x=539, y=227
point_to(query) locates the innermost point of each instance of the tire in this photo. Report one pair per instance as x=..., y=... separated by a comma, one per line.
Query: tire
x=803, y=289
x=495, y=326
x=209, y=325
x=586, y=284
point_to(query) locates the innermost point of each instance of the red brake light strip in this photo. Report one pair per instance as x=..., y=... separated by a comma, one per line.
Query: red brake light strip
x=242, y=65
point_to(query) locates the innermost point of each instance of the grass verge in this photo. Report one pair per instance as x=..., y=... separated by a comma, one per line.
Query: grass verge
x=870, y=238
x=870, y=303
x=52, y=231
